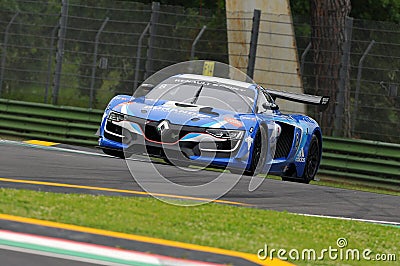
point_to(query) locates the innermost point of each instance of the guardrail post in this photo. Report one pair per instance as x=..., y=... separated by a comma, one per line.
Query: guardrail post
x=94, y=64
x=360, y=64
x=53, y=36
x=60, y=49
x=138, y=55
x=192, y=52
x=4, y=54
x=253, y=43
x=155, y=8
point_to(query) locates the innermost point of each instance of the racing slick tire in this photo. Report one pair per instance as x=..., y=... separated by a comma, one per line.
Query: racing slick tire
x=311, y=164
x=312, y=161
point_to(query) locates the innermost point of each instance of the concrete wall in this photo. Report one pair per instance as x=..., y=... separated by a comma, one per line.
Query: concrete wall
x=277, y=64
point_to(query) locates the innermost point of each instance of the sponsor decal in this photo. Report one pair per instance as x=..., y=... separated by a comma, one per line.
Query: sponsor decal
x=208, y=68
x=162, y=127
x=248, y=118
x=175, y=110
x=325, y=100
x=249, y=141
x=297, y=143
x=233, y=121
x=300, y=157
x=277, y=130
x=209, y=84
x=309, y=120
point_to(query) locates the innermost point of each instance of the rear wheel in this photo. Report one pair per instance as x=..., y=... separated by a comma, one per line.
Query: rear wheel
x=312, y=161
x=311, y=164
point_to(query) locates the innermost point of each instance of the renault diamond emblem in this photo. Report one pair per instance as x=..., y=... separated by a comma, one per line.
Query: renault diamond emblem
x=162, y=127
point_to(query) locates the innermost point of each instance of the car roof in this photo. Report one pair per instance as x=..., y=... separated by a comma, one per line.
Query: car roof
x=220, y=80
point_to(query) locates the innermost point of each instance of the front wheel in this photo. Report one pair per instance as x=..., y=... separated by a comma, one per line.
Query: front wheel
x=259, y=154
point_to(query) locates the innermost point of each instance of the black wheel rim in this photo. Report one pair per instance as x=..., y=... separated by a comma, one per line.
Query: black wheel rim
x=313, y=159
x=257, y=152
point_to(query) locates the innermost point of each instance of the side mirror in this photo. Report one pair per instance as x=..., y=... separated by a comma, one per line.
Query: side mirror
x=272, y=106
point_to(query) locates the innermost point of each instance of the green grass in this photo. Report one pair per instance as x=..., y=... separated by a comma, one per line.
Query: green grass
x=331, y=182
x=216, y=225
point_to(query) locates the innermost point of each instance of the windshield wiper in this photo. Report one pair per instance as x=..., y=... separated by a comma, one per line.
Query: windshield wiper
x=196, y=97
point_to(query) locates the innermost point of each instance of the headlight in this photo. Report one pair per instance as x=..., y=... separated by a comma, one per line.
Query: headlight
x=225, y=133
x=117, y=117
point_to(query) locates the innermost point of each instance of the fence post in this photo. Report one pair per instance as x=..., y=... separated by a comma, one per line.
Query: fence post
x=360, y=64
x=60, y=50
x=343, y=75
x=138, y=55
x=195, y=41
x=94, y=64
x=4, y=54
x=303, y=58
x=53, y=36
x=155, y=8
x=253, y=43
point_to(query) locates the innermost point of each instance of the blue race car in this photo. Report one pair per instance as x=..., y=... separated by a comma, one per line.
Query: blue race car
x=195, y=119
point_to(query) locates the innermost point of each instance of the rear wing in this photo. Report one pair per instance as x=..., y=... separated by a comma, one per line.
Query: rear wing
x=321, y=101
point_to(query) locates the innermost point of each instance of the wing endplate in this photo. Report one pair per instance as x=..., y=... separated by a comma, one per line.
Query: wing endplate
x=321, y=101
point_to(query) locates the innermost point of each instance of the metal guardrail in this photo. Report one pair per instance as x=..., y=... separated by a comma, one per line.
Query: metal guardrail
x=63, y=124
x=344, y=160
x=366, y=162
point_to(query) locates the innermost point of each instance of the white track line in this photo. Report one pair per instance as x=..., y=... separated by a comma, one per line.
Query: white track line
x=61, y=248
x=64, y=150
x=350, y=219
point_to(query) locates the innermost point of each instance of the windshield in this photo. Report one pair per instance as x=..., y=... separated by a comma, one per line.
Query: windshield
x=203, y=93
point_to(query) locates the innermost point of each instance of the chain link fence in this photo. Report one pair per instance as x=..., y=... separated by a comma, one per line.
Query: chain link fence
x=373, y=101
x=109, y=47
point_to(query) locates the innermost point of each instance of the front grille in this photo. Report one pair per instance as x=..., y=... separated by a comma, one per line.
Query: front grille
x=285, y=141
x=167, y=136
x=171, y=135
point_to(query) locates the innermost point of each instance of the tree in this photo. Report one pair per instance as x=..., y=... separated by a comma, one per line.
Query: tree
x=327, y=37
x=382, y=10
x=378, y=10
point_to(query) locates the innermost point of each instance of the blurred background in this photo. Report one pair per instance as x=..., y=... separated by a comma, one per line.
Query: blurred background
x=82, y=53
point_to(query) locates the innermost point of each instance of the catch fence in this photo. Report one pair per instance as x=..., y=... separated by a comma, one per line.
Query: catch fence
x=82, y=53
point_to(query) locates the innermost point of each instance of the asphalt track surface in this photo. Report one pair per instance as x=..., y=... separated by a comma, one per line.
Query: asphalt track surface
x=79, y=169
x=33, y=163
x=16, y=258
